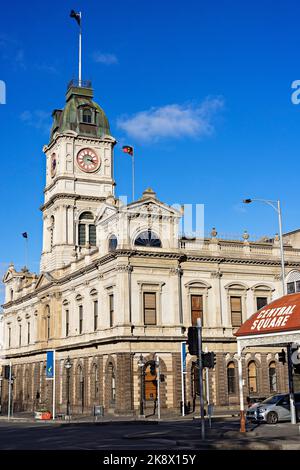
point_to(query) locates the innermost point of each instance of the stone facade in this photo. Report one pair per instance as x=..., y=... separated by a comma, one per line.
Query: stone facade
x=103, y=302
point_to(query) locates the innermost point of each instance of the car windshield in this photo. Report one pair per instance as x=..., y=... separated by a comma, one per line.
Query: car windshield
x=274, y=399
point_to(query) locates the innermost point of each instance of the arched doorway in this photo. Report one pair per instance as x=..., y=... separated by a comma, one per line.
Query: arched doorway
x=150, y=382
x=150, y=388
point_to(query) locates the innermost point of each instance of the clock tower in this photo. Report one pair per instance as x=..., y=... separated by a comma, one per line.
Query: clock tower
x=79, y=176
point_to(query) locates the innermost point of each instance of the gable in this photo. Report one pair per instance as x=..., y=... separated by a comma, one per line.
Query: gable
x=44, y=280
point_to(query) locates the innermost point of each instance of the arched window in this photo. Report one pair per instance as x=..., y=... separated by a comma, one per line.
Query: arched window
x=96, y=382
x=87, y=116
x=293, y=282
x=112, y=383
x=231, y=378
x=86, y=229
x=148, y=238
x=194, y=380
x=48, y=322
x=26, y=386
x=80, y=378
x=272, y=377
x=112, y=243
x=252, y=377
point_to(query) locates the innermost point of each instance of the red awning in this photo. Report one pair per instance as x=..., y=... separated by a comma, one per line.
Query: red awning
x=282, y=315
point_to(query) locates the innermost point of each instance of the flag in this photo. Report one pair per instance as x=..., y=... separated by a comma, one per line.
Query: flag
x=127, y=149
x=25, y=235
x=75, y=15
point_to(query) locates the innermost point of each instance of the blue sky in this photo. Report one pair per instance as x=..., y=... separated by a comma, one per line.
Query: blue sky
x=201, y=89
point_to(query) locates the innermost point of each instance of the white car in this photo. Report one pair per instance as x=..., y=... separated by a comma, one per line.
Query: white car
x=273, y=409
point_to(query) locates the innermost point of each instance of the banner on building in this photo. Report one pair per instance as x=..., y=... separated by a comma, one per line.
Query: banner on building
x=50, y=365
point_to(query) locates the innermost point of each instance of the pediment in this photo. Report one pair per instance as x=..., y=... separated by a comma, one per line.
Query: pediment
x=152, y=207
x=105, y=212
x=10, y=274
x=45, y=279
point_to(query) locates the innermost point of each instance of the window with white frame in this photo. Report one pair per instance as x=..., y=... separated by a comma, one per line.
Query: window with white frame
x=236, y=296
x=293, y=282
x=86, y=229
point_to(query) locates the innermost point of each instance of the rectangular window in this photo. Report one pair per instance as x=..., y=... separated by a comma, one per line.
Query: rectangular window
x=81, y=234
x=28, y=333
x=236, y=311
x=95, y=315
x=261, y=302
x=149, y=308
x=67, y=323
x=9, y=336
x=297, y=286
x=290, y=287
x=92, y=235
x=111, y=310
x=80, y=319
x=20, y=335
x=196, y=308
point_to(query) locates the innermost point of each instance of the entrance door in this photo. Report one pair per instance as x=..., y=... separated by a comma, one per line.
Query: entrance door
x=150, y=384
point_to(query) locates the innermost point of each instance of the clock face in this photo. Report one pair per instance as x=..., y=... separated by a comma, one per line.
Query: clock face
x=87, y=160
x=53, y=165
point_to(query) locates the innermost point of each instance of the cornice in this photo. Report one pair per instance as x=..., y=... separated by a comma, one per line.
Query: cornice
x=98, y=180
x=77, y=137
x=113, y=340
x=74, y=197
x=98, y=262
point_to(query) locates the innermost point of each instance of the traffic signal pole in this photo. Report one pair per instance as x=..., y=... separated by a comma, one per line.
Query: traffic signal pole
x=199, y=330
x=9, y=392
x=291, y=384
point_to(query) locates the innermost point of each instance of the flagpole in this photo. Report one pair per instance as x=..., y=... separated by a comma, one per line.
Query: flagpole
x=79, y=66
x=132, y=174
x=26, y=252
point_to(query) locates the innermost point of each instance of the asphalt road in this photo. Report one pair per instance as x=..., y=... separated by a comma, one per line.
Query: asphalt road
x=140, y=435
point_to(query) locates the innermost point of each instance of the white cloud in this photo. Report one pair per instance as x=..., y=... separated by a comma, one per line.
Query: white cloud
x=174, y=120
x=104, y=58
x=38, y=119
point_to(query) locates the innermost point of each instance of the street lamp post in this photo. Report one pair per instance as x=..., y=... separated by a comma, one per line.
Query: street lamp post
x=141, y=364
x=68, y=365
x=276, y=206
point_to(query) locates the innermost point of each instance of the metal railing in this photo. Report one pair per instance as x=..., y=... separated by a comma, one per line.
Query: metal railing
x=80, y=83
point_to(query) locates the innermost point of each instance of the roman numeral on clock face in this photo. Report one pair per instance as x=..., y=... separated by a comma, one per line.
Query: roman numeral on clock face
x=87, y=160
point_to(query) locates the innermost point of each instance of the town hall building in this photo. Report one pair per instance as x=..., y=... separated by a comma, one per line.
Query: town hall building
x=119, y=285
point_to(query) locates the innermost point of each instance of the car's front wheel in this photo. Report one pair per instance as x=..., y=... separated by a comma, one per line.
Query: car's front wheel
x=272, y=417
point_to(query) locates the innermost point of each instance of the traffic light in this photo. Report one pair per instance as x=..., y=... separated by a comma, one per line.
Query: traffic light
x=193, y=340
x=209, y=360
x=6, y=372
x=152, y=368
x=282, y=356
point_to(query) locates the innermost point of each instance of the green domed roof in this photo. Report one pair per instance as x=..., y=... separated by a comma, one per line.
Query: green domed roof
x=80, y=114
